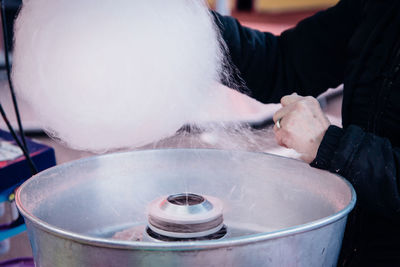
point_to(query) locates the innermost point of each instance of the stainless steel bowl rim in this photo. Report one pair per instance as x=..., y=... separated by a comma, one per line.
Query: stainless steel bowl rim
x=180, y=246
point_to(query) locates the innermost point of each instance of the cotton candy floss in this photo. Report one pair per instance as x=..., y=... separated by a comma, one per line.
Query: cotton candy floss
x=102, y=75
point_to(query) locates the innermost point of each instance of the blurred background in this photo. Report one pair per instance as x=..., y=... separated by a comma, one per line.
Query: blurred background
x=270, y=15
x=272, y=6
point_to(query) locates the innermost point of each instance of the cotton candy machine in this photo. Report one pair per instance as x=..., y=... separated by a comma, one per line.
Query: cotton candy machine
x=186, y=207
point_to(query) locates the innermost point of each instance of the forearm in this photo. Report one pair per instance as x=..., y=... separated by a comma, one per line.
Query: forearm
x=256, y=57
x=307, y=59
x=369, y=162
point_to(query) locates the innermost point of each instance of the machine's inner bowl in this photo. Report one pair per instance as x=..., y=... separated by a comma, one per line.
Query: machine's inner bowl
x=140, y=197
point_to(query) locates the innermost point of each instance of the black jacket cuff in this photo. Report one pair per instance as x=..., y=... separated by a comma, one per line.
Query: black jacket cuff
x=326, y=150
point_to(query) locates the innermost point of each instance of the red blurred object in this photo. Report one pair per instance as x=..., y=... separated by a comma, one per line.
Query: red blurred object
x=274, y=23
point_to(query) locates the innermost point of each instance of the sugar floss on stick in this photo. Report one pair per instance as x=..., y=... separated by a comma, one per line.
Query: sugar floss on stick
x=102, y=75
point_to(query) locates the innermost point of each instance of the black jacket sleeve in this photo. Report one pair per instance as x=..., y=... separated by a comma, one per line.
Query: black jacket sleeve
x=369, y=162
x=307, y=59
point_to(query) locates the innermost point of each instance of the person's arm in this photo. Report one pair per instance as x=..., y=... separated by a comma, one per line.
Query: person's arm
x=369, y=162
x=307, y=59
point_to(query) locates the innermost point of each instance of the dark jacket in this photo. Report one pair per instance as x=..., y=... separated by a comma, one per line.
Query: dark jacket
x=357, y=43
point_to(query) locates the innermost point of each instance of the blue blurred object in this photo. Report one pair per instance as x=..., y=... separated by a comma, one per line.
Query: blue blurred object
x=14, y=170
x=22, y=262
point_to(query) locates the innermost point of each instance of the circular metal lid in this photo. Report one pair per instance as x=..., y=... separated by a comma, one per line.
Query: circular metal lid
x=185, y=215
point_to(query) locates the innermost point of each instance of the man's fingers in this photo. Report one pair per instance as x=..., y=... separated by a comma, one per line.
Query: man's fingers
x=281, y=137
x=289, y=99
x=281, y=113
x=303, y=125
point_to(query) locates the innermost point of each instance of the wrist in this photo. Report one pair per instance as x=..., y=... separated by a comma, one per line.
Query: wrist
x=326, y=150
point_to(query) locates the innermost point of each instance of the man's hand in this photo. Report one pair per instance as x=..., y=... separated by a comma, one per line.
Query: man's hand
x=302, y=125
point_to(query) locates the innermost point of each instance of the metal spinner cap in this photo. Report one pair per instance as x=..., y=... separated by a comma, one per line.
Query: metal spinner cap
x=185, y=216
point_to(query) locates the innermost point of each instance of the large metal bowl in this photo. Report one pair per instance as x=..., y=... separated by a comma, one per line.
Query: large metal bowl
x=278, y=211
